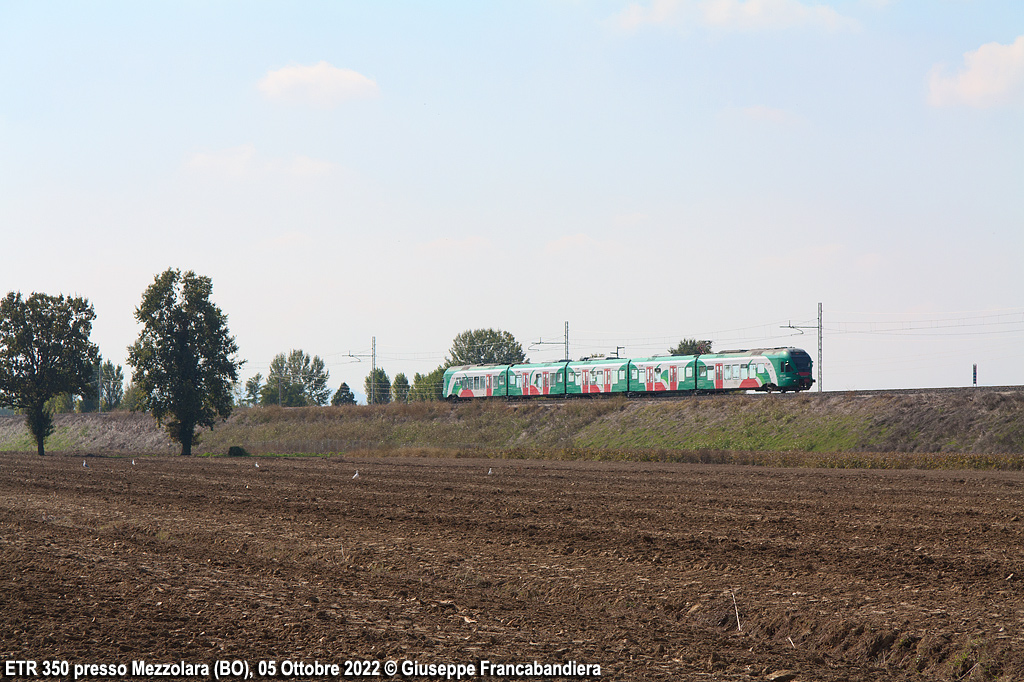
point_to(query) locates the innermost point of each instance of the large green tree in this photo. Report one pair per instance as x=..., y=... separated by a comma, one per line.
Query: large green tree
x=378, y=387
x=691, y=347
x=485, y=347
x=429, y=386
x=184, y=360
x=44, y=351
x=296, y=380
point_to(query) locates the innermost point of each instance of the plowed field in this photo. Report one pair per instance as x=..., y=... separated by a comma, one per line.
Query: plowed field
x=652, y=571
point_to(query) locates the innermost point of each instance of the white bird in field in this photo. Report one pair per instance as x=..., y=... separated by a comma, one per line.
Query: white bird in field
x=85, y=465
x=133, y=462
x=356, y=475
x=490, y=471
x=257, y=465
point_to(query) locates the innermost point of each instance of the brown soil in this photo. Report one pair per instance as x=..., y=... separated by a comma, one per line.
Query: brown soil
x=641, y=568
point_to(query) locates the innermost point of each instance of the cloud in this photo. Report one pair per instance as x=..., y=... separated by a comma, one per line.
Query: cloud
x=243, y=162
x=321, y=85
x=735, y=15
x=992, y=75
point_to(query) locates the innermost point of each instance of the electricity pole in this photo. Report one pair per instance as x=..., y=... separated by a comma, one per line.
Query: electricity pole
x=373, y=372
x=819, y=346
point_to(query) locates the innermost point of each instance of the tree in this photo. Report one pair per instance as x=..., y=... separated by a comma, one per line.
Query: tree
x=428, y=386
x=111, y=386
x=691, y=347
x=343, y=396
x=400, y=389
x=90, y=398
x=184, y=360
x=252, y=389
x=378, y=387
x=134, y=399
x=296, y=380
x=62, y=403
x=485, y=347
x=44, y=351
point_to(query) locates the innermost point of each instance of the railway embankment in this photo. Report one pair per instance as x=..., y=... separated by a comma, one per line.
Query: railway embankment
x=976, y=428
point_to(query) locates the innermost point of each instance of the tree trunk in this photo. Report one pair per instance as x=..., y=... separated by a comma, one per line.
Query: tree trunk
x=39, y=423
x=186, y=441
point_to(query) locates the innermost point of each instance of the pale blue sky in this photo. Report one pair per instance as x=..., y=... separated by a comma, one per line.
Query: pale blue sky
x=646, y=171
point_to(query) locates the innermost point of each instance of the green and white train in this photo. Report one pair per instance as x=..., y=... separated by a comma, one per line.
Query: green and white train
x=763, y=369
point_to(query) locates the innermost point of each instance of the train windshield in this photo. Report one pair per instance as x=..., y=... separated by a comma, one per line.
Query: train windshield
x=801, y=361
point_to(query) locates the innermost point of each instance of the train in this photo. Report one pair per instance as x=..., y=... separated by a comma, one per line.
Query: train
x=761, y=369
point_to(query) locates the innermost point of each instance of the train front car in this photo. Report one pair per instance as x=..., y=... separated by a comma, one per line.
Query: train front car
x=761, y=369
x=794, y=367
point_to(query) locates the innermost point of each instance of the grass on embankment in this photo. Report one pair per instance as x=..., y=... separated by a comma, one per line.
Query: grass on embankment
x=934, y=430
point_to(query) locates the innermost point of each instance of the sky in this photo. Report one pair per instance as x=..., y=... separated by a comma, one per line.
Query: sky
x=643, y=171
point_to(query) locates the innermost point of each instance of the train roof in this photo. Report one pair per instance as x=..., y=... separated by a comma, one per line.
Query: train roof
x=760, y=351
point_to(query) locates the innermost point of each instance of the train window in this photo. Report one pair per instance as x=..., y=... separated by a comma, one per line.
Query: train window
x=689, y=372
x=785, y=366
x=702, y=371
x=501, y=379
x=634, y=375
x=743, y=372
x=622, y=374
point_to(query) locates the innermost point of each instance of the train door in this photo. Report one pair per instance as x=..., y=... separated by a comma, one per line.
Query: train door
x=608, y=379
x=718, y=375
x=546, y=383
x=672, y=377
x=650, y=378
x=489, y=386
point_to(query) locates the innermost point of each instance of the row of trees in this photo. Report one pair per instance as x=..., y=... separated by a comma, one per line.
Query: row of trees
x=184, y=361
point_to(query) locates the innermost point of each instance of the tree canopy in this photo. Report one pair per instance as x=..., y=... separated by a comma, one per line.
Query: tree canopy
x=378, y=387
x=111, y=386
x=253, y=386
x=429, y=386
x=134, y=399
x=44, y=351
x=343, y=396
x=400, y=388
x=691, y=347
x=485, y=347
x=184, y=359
x=296, y=380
